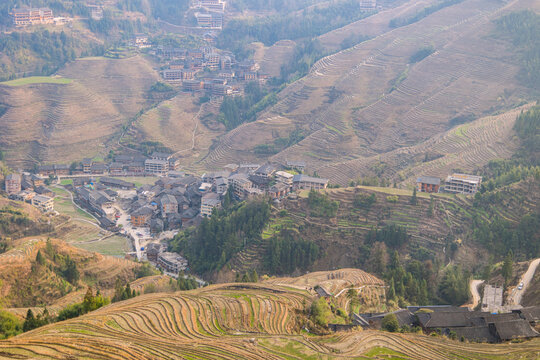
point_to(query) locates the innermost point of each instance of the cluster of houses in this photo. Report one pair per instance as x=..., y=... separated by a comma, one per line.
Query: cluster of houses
x=211, y=13
x=157, y=164
x=455, y=183
x=35, y=16
x=181, y=201
x=226, y=74
x=461, y=322
x=30, y=188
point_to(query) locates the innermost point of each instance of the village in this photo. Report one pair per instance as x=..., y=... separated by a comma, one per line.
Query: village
x=172, y=200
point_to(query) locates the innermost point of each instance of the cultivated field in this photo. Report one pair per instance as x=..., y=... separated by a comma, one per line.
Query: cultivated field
x=231, y=321
x=21, y=286
x=52, y=120
x=368, y=100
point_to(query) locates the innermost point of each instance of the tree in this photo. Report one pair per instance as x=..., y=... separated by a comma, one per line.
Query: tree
x=320, y=312
x=390, y=323
x=430, y=208
x=391, y=290
x=414, y=200
x=9, y=325
x=39, y=258
x=30, y=322
x=507, y=267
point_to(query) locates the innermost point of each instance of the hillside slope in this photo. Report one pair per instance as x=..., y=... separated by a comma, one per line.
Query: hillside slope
x=384, y=101
x=26, y=283
x=47, y=122
x=229, y=321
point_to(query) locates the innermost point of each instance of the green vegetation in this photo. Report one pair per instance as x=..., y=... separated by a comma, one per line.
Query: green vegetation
x=320, y=205
x=281, y=143
x=161, y=87
x=91, y=302
x=9, y=325
x=310, y=23
x=123, y=292
x=321, y=312
x=48, y=51
x=421, y=54
x=527, y=127
x=407, y=20
x=390, y=323
x=218, y=238
x=454, y=286
x=523, y=27
x=392, y=235
x=364, y=201
x=237, y=110
x=286, y=252
x=37, y=80
x=306, y=53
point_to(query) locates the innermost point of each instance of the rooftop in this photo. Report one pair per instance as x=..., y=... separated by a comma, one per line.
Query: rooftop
x=432, y=180
x=305, y=178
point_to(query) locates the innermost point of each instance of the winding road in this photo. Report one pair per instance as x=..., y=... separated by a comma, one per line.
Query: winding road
x=474, y=284
x=525, y=279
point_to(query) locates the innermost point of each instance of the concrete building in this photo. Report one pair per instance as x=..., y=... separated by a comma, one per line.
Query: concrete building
x=428, y=184
x=31, y=16
x=171, y=262
x=12, y=184
x=462, y=184
x=240, y=184
x=156, y=167
x=209, y=202
x=309, y=183
x=284, y=177
x=43, y=203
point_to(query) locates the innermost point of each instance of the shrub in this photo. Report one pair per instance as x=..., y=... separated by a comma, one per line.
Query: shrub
x=390, y=323
x=320, y=312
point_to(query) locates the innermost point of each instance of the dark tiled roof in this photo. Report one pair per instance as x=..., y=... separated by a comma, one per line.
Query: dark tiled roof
x=476, y=333
x=508, y=330
x=530, y=313
x=429, y=180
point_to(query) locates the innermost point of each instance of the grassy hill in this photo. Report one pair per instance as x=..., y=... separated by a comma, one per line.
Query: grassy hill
x=371, y=99
x=27, y=283
x=231, y=321
x=46, y=120
x=440, y=227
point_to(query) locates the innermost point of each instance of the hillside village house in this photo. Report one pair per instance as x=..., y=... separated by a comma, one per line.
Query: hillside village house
x=141, y=217
x=156, y=167
x=31, y=16
x=284, y=177
x=43, y=203
x=209, y=202
x=12, y=184
x=171, y=262
x=86, y=165
x=462, y=184
x=305, y=182
x=168, y=205
x=428, y=184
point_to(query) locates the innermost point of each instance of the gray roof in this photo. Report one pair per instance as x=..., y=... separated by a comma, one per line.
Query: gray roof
x=305, y=178
x=429, y=180
x=530, y=314
x=168, y=199
x=145, y=210
x=13, y=177
x=508, y=330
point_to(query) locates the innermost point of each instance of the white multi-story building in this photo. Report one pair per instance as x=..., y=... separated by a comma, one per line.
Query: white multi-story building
x=462, y=183
x=209, y=202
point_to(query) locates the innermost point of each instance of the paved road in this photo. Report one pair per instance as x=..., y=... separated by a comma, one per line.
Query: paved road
x=525, y=279
x=129, y=230
x=474, y=284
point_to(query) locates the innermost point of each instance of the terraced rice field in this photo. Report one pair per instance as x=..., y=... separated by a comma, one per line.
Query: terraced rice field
x=230, y=321
x=463, y=148
x=49, y=121
x=373, y=113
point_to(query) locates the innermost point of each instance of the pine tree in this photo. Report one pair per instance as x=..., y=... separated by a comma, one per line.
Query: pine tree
x=39, y=258
x=391, y=290
x=414, y=200
x=30, y=322
x=507, y=266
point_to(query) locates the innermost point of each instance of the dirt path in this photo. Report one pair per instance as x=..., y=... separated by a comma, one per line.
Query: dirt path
x=525, y=279
x=473, y=285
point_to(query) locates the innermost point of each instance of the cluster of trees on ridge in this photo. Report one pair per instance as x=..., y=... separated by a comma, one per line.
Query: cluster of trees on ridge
x=218, y=238
x=523, y=28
